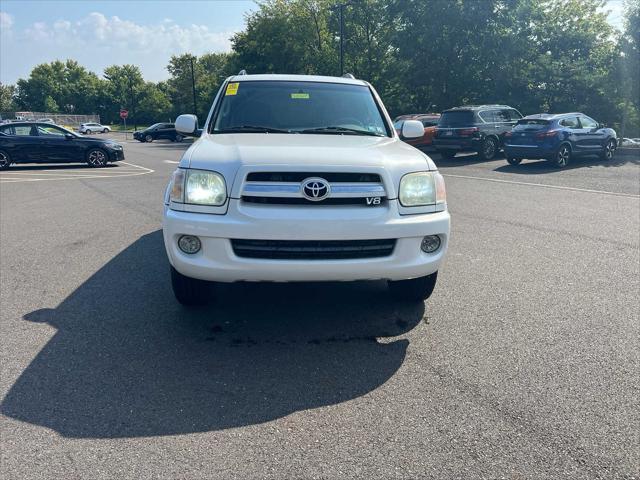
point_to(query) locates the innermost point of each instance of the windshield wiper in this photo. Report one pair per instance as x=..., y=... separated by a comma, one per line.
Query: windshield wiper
x=340, y=130
x=250, y=129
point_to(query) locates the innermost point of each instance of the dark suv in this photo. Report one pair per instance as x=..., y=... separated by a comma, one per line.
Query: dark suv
x=158, y=131
x=474, y=128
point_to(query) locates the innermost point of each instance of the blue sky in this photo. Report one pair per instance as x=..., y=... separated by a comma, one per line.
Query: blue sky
x=144, y=33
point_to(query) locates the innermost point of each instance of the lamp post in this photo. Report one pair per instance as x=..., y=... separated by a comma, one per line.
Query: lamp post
x=180, y=71
x=340, y=8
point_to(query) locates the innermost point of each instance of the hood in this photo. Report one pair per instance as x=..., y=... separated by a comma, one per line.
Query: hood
x=228, y=153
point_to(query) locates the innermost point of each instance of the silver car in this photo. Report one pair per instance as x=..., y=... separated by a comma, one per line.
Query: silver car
x=90, y=128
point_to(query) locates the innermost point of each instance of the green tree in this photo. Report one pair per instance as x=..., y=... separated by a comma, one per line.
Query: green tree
x=7, y=96
x=124, y=84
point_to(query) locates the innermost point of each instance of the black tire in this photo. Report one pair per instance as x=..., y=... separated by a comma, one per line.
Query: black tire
x=178, y=138
x=609, y=150
x=448, y=154
x=488, y=149
x=414, y=290
x=5, y=160
x=514, y=161
x=563, y=156
x=97, y=158
x=148, y=138
x=88, y=132
x=187, y=290
x=106, y=130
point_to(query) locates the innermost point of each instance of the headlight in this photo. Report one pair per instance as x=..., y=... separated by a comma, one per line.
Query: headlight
x=422, y=188
x=113, y=146
x=198, y=187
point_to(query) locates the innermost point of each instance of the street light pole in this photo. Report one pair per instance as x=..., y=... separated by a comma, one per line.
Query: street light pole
x=193, y=87
x=340, y=7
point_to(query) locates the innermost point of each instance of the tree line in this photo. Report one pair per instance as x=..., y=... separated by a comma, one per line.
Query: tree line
x=421, y=55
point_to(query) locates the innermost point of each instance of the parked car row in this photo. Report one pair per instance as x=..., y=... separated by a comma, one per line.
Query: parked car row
x=487, y=129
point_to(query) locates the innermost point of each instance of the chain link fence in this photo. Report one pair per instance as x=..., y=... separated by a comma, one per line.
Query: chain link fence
x=63, y=119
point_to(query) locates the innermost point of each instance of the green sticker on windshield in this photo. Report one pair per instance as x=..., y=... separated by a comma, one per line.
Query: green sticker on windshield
x=300, y=96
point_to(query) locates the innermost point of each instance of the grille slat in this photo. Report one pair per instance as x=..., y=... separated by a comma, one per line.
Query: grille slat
x=330, y=177
x=313, y=249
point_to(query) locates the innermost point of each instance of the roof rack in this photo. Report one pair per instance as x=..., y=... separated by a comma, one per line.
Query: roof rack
x=348, y=75
x=242, y=72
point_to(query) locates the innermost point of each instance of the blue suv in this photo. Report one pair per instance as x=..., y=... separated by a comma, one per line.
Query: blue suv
x=558, y=138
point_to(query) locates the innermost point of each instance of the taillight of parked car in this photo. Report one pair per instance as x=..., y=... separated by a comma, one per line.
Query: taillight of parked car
x=508, y=134
x=547, y=134
x=469, y=132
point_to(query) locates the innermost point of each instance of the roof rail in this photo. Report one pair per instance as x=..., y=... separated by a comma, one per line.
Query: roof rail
x=348, y=75
x=242, y=72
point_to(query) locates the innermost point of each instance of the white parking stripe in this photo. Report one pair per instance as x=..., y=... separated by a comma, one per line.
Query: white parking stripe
x=54, y=174
x=544, y=185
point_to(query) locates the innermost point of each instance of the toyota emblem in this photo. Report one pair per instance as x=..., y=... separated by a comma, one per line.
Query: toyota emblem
x=315, y=189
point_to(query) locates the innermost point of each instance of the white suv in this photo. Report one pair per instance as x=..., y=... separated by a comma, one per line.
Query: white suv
x=303, y=178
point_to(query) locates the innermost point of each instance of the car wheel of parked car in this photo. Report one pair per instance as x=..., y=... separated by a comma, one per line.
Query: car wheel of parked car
x=609, y=150
x=448, y=154
x=488, y=149
x=178, y=138
x=88, y=131
x=514, y=161
x=148, y=138
x=187, y=290
x=97, y=157
x=5, y=160
x=414, y=290
x=563, y=156
x=106, y=130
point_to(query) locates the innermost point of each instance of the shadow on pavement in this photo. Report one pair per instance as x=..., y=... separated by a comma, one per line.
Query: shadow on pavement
x=537, y=167
x=128, y=361
x=461, y=160
x=56, y=166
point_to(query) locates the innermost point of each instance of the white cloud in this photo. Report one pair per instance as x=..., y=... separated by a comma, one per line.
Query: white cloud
x=6, y=21
x=98, y=41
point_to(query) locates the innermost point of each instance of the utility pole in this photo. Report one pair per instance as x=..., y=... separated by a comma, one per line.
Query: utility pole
x=193, y=87
x=340, y=7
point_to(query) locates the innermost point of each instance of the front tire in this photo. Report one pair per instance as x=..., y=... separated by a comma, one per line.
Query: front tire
x=414, y=290
x=5, y=160
x=178, y=138
x=488, y=149
x=514, y=161
x=148, y=138
x=563, y=156
x=106, y=130
x=187, y=290
x=88, y=132
x=609, y=150
x=97, y=158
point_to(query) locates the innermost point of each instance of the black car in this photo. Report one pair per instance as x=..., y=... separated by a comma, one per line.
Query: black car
x=166, y=131
x=35, y=142
x=475, y=128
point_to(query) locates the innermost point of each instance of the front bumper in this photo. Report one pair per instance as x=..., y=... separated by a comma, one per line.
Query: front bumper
x=115, y=155
x=216, y=261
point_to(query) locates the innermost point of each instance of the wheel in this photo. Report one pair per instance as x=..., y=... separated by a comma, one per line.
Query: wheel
x=5, y=160
x=514, y=161
x=609, y=150
x=148, y=138
x=96, y=157
x=414, y=290
x=178, y=138
x=88, y=131
x=106, y=130
x=187, y=290
x=563, y=156
x=488, y=149
x=448, y=154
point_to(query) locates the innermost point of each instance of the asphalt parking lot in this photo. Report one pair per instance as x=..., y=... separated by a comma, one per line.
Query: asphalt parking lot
x=523, y=363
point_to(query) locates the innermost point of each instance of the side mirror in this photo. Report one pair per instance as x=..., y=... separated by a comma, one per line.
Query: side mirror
x=412, y=129
x=187, y=124
x=68, y=136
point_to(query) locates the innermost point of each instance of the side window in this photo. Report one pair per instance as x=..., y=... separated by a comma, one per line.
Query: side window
x=50, y=131
x=588, y=122
x=571, y=122
x=502, y=116
x=488, y=116
x=21, y=130
x=514, y=115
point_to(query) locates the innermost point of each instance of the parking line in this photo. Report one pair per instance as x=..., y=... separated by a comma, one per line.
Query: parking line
x=557, y=187
x=57, y=175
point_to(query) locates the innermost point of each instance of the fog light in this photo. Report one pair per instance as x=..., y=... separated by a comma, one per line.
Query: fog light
x=430, y=243
x=189, y=244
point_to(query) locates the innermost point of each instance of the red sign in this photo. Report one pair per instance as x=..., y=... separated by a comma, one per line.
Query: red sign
x=124, y=113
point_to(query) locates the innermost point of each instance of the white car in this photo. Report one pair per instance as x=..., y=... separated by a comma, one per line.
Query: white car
x=90, y=128
x=303, y=178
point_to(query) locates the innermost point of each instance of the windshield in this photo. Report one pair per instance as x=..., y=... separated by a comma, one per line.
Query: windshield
x=456, y=118
x=298, y=107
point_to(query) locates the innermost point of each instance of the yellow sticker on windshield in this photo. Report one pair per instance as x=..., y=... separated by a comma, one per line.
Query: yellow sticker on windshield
x=232, y=88
x=304, y=96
